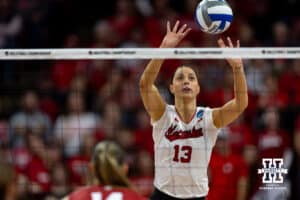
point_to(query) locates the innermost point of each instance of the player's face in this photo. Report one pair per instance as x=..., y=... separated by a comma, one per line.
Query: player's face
x=185, y=83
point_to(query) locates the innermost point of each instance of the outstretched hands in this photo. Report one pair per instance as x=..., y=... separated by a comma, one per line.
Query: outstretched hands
x=174, y=35
x=234, y=62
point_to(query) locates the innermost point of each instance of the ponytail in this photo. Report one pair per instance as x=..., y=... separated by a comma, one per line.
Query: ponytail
x=108, y=160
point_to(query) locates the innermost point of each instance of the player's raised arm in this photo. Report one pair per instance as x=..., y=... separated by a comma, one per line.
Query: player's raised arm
x=153, y=102
x=231, y=110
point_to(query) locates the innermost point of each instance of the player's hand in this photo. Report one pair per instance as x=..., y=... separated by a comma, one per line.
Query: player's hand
x=234, y=62
x=174, y=35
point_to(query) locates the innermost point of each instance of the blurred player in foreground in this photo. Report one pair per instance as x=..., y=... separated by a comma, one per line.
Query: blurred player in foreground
x=110, y=172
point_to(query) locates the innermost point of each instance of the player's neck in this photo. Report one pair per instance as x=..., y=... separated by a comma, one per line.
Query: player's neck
x=186, y=109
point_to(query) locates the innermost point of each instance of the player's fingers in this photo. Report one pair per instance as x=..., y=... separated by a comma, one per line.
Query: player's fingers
x=221, y=43
x=187, y=31
x=229, y=42
x=175, y=28
x=182, y=29
x=168, y=27
x=238, y=44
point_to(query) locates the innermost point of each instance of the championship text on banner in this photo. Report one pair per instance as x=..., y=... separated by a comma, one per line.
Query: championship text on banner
x=149, y=53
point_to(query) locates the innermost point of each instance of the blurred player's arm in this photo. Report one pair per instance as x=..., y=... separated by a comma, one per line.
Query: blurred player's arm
x=153, y=102
x=242, y=188
x=243, y=180
x=8, y=182
x=226, y=114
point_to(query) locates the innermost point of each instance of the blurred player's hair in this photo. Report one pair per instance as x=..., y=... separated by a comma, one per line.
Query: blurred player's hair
x=108, y=161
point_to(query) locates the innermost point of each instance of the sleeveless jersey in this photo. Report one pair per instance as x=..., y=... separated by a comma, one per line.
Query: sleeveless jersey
x=104, y=193
x=182, y=152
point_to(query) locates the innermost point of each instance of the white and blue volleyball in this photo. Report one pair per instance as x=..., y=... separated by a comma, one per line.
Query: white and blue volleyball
x=214, y=16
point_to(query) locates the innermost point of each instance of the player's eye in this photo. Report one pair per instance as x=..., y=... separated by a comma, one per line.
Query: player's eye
x=179, y=77
x=192, y=78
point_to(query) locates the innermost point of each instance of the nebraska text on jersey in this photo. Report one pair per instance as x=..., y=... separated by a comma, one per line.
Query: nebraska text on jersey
x=182, y=152
x=173, y=134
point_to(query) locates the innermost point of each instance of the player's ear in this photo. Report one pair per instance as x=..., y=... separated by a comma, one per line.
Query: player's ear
x=125, y=168
x=198, y=89
x=91, y=172
x=91, y=167
x=171, y=87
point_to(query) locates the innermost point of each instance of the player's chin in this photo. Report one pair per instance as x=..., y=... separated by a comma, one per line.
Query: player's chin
x=188, y=96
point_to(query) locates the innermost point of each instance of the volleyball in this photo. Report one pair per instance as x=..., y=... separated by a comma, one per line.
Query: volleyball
x=213, y=16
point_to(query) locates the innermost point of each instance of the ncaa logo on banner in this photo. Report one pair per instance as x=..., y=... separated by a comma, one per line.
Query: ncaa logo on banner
x=272, y=170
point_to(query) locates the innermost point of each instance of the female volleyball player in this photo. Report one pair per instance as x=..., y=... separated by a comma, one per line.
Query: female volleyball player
x=110, y=173
x=185, y=134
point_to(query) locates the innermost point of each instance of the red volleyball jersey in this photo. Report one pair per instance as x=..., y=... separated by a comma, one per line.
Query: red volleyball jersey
x=104, y=193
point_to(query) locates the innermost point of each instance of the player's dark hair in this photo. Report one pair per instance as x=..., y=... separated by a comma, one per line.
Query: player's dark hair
x=108, y=159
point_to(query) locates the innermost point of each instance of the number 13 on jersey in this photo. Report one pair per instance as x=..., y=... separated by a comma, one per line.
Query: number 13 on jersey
x=182, y=154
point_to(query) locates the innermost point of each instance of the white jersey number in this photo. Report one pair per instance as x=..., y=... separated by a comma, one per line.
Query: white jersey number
x=112, y=196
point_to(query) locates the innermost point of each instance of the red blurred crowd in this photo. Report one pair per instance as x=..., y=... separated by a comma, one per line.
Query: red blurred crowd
x=53, y=113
